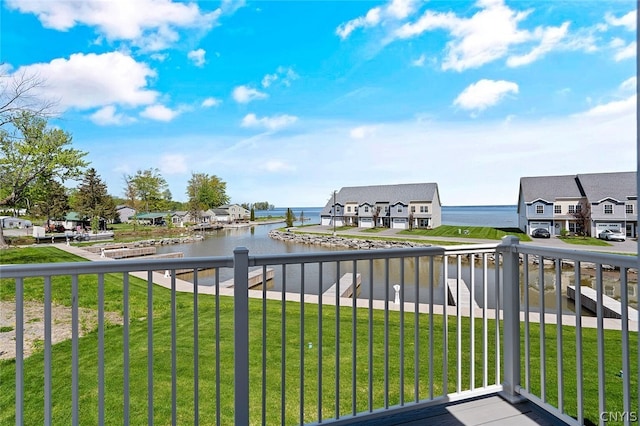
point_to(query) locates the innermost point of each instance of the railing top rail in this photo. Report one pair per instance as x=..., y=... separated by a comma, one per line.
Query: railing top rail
x=623, y=261
x=110, y=266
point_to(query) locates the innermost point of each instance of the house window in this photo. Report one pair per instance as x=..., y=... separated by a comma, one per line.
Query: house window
x=557, y=209
x=608, y=209
x=609, y=290
x=349, y=209
x=424, y=209
x=572, y=209
x=628, y=208
x=578, y=208
x=539, y=209
x=399, y=209
x=413, y=209
x=366, y=209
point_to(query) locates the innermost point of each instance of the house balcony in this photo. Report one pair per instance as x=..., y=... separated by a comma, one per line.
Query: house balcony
x=461, y=335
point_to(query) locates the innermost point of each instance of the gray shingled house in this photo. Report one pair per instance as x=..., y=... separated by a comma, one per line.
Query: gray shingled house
x=598, y=200
x=402, y=206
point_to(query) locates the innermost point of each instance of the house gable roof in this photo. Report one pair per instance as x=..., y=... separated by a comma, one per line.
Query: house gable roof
x=383, y=194
x=600, y=186
x=548, y=188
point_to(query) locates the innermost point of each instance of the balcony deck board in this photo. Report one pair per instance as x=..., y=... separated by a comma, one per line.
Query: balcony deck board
x=486, y=410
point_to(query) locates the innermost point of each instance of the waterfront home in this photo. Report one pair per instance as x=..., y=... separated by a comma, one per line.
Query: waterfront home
x=236, y=212
x=402, y=206
x=125, y=212
x=582, y=203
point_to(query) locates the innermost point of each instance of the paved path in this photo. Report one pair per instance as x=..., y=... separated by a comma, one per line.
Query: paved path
x=625, y=247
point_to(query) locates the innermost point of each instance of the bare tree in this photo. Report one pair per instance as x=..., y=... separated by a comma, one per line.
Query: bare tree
x=19, y=93
x=582, y=214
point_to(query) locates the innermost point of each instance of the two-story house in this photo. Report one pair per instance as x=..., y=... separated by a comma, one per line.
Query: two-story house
x=399, y=206
x=582, y=203
x=235, y=212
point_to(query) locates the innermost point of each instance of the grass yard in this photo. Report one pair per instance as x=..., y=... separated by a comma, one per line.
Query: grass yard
x=585, y=241
x=483, y=232
x=297, y=365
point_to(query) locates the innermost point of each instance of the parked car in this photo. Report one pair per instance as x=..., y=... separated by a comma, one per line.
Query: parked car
x=611, y=235
x=540, y=233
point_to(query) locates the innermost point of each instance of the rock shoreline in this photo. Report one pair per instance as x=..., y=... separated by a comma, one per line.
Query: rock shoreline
x=351, y=243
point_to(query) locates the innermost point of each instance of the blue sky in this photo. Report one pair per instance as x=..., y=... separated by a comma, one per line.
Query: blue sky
x=288, y=100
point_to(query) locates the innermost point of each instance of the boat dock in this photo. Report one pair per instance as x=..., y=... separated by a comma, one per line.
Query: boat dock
x=464, y=299
x=611, y=308
x=344, y=287
x=255, y=278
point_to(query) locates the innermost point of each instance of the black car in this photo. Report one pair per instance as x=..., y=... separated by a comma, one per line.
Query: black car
x=540, y=233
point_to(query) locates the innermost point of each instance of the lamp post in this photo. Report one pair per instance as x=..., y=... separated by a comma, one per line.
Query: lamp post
x=334, y=212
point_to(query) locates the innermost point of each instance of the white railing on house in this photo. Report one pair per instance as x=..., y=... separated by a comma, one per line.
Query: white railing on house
x=330, y=359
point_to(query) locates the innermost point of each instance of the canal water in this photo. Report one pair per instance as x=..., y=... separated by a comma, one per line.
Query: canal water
x=256, y=239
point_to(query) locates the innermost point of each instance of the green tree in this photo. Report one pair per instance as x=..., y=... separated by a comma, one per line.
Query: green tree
x=150, y=188
x=93, y=201
x=30, y=150
x=252, y=217
x=289, y=218
x=206, y=192
x=48, y=198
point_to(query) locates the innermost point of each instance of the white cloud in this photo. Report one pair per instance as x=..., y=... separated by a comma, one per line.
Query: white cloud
x=246, y=94
x=627, y=21
x=418, y=62
x=394, y=10
x=550, y=38
x=107, y=116
x=81, y=82
x=159, y=113
x=283, y=74
x=626, y=52
x=197, y=57
x=171, y=164
x=362, y=132
x=629, y=85
x=612, y=109
x=275, y=122
x=484, y=93
x=211, y=102
x=149, y=24
x=276, y=166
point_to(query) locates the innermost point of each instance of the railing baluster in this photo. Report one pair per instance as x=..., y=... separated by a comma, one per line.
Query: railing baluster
x=370, y=357
x=386, y=333
x=354, y=337
x=600, y=333
x=527, y=324
x=75, y=377
x=302, y=341
x=101, y=376
x=458, y=325
x=47, y=351
x=19, y=351
x=559, y=339
x=320, y=341
x=416, y=330
x=174, y=351
x=626, y=364
x=445, y=325
x=431, y=342
x=196, y=357
x=543, y=357
x=497, y=290
x=401, y=340
x=283, y=345
x=485, y=328
x=579, y=372
x=337, y=354
x=264, y=345
x=472, y=284
x=149, y=348
x=217, y=344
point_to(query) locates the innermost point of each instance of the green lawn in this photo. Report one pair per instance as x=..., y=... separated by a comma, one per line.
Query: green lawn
x=296, y=347
x=585, y=241
x=483, y=232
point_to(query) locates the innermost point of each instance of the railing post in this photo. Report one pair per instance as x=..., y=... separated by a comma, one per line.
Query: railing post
x=241, y=334
x=511, y=318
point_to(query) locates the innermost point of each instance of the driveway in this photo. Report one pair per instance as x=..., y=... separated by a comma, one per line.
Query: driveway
x=624, y=247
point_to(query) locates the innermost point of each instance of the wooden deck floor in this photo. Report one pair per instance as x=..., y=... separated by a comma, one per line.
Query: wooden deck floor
x=488, y=410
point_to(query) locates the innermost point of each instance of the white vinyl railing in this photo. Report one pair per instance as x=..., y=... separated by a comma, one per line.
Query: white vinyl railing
x=330, y=359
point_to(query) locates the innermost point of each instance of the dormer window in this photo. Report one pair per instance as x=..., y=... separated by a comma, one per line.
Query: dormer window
x=608, y=209
x=540, y=209
x=628, y=209
x=399, y=209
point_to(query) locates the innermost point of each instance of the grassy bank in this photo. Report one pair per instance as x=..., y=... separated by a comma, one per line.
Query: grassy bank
x=296, y=348
x=481, y=232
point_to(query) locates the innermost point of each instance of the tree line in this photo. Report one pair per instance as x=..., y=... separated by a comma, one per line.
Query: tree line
x=36, y=160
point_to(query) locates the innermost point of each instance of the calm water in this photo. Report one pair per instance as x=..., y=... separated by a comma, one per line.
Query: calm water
x=256, y=239
x=495, y=216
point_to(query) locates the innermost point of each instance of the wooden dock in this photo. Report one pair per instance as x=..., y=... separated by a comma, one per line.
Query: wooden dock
x=255, y=278
x=611, y=308
x=465, y=295
x=344, y=287
x=128, y=252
